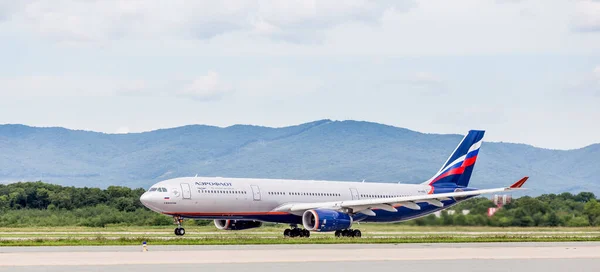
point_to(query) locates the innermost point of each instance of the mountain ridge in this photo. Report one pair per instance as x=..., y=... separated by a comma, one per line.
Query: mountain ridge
x=322, y=149
x=595, y=145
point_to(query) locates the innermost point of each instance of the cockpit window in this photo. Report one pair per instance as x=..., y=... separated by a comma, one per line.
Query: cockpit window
x=164, y=190
x=152, y=189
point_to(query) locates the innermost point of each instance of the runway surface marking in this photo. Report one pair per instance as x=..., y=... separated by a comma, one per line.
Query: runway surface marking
x=294, y=255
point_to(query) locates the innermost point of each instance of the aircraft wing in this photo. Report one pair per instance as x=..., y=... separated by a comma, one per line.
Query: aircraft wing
x=390, y=204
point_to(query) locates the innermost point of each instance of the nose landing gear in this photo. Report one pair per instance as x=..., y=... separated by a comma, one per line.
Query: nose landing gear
x=179, y=231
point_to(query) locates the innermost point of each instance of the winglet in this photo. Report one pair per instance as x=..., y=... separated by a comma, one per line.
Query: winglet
x=519, y=183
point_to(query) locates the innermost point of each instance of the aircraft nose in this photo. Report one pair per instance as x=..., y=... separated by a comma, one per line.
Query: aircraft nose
x=145, y=199
x=151, y=201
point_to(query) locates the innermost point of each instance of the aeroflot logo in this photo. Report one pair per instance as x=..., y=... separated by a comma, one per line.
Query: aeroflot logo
x=213, y=183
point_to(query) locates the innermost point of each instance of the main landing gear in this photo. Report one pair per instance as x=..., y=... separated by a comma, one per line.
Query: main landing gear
x=296, y=232
x=179, y=231
x=348, y=233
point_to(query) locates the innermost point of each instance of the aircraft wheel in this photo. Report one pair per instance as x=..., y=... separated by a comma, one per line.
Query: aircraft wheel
x=179, y=231
x=306, y=233
x=356, y=233
x=295, y=232
x=286, y=233
x=346, y=233
x=338, y=233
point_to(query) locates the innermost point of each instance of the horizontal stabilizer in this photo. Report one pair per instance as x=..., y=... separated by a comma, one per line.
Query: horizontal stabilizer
x=519, y=183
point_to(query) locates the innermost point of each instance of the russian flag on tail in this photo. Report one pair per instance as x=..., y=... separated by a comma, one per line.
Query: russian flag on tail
x=457, y=170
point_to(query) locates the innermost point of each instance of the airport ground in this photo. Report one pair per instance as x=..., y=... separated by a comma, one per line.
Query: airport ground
x=209, y=235
x=569, y=256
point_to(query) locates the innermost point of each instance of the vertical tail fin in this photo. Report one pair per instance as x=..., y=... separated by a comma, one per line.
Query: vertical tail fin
x=459, y=166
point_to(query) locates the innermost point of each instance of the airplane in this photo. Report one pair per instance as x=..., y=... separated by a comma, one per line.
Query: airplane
x=318, y=206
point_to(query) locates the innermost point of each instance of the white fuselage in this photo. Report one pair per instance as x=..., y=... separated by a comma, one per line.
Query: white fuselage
x=257, y=199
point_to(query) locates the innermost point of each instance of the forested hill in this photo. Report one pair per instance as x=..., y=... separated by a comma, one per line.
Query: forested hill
x=41, y=204
x=333, y=150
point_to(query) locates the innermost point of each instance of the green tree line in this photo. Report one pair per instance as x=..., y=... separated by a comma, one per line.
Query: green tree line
x=43, y=204
x=548, y=210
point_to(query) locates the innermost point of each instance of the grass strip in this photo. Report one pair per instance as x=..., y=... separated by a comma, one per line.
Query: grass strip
x=124, y=241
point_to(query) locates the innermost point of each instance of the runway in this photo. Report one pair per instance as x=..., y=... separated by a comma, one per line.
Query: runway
x=584, y=256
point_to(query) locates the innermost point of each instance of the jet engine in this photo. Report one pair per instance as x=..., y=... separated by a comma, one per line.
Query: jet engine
x=237, y=224
x=326, y=220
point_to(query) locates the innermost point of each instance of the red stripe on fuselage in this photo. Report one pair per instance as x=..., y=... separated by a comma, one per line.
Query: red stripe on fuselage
x=225, y=213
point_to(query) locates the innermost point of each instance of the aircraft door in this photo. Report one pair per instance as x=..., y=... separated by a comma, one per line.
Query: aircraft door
x=186, y=192
x=255, y=192
x=354, y=193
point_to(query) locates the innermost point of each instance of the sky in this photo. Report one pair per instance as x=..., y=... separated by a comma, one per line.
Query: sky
x=527, y=71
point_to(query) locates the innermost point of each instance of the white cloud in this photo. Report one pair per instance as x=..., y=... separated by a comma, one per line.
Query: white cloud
x=206, y=88
x=312, y=26
x=586, y=17
x=101, y=21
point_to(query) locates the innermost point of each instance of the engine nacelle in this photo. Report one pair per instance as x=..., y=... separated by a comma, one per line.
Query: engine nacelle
x=326, y=220
x=236, y=224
